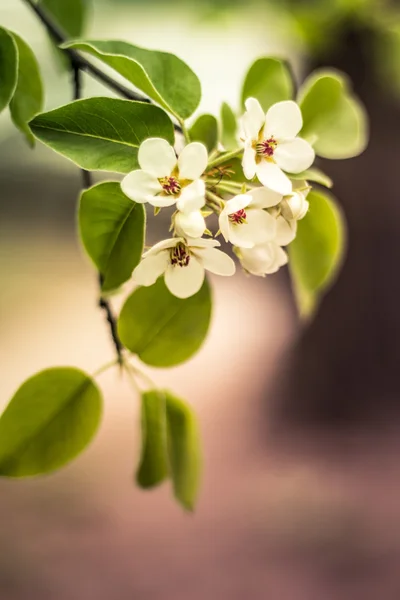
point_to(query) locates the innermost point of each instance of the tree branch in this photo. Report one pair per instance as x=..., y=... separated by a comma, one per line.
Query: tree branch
x=59, y=37
x=86, y=183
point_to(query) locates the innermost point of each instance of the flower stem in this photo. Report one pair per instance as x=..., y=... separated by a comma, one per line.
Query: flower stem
x=214, y=202
x=105, y=367
x=224, y=158
x=185, y=131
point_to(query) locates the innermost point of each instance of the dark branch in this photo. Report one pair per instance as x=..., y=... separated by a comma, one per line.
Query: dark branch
x=86, y=183
x=60, y=38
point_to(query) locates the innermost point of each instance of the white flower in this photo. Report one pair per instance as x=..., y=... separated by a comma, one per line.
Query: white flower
x=272, y=145
x=163, y=179
x=263, y=259
x=189, y=220
x=292, y=208
x=244, y=223
x=183, y=263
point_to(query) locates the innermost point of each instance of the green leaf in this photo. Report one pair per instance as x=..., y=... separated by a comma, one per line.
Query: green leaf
x=334, y=120
x=51, y=418
x=112, y=231
x=184, y=450
x=102, y=133
x=8, y=67
x=153, y=467
x=163, y=77
x=28, y=96
x=315, y=175
x=70, y=15
x=229, y=127
x=270, y=81
x=205, y=130
x=316, y=253
x=160, y=328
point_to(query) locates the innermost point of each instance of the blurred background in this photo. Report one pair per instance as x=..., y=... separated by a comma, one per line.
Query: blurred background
x=300, y=426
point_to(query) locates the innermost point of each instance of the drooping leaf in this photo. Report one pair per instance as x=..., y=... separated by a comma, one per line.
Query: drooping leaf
x=153, y=467
x=205, y=130
x=160, y=328
x=8, y=67
x=27, y=100
x=269, y=80
x=102, y=133
x=229, y=127
x=112, y=231
x=315, y=175
x=51, y=418
x=184, y=450
x=162, y=76
x=70, y=15
x=316, y=253
x=334, y=120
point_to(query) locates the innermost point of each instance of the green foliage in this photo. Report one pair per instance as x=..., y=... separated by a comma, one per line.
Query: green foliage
x=102, y=133
x=170, y=446
x=160, y=328
x=27, y=100
x=112, y=231
x=205, y=130
x=315, y=175
x=153, y=467
x=70, y=15
x=184, y=450
x=317, y=251
x=163, y=77
x=51, y=418
x=229, y=127
x=334, y=120
x=269, y=80
x=8, y=67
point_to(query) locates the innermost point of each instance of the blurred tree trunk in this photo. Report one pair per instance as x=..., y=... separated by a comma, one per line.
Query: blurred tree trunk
x=345, y=368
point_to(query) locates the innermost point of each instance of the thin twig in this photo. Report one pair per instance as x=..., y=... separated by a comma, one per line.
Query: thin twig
x=86, y=183
x=59, y=37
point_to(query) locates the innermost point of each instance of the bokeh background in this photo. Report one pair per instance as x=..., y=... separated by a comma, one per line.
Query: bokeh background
x=300, y=426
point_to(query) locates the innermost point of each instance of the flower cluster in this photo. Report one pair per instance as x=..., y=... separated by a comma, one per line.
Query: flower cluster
x=257, y=215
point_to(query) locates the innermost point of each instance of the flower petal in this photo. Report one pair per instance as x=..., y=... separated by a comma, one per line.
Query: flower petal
x=259, y=227
x=294, y=156
x=236, y=203
x=224, y=225
x=157, y=157
x=192, y=161
x=253, y=119
x=140, y=186
x=217, y=261
x=163, y=200
x=273, y=178
x=283, y=120
x=262, y=197
x=183, y=282
x=285, y=231
x=202, y=243
x=150, y=268
x=191, y=224
x=163, y=245
x=249, y=161
x=263, y=259
x=192, y=196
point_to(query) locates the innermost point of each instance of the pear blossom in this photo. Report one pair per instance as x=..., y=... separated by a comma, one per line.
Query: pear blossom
x=189, y=220
x=244, y=223
x=262, y=259
x=183, y=263
x=271, y=145
x=163, y=179
x=291, y=209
